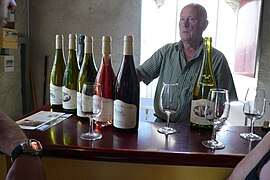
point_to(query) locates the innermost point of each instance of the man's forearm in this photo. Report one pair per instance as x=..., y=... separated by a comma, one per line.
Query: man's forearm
x=139, y=75
x=10, y=134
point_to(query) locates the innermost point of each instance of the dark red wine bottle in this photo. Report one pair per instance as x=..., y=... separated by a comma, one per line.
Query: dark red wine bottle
x=106, y=78
x=127, y=91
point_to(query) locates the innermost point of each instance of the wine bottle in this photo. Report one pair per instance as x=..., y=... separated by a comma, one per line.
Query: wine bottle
x=106, y=78
x=80, y=49
x=127, y=91
x=204, y=82
x=57, y=73
x=70, y=78
x=88, y=71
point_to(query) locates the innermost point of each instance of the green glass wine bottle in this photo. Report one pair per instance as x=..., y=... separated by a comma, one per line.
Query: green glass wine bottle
x=88, y=71
x=57, y=73
x=80, y=49
x=205, y=81
x=69, y=91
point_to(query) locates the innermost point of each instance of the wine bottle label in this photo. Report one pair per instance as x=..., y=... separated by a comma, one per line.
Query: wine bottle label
x=124, y=115
x=197, y=114
x=107, y=110
x=69, y=98
x=55, y=94
x=97, y=105
x=86, y=103
x=79, y=105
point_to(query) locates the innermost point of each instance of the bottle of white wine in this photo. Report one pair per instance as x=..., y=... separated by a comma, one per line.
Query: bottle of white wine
x=127, y=91
x=70, y=78
x=106, y=78
x=57, y=73
x=88, y=71
x=205, y=81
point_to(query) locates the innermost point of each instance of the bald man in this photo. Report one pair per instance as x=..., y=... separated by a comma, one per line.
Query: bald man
x=180, y=62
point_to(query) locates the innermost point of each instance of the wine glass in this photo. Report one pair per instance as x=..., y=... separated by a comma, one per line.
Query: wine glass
x=216, y=112
x=254, y=108
x=91, y=105
x=168, y=103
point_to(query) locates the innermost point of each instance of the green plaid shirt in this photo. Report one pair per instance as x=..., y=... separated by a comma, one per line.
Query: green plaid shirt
x=169, y=64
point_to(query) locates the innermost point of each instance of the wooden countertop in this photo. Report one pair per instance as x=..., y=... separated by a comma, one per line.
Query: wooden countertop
x=146, y=145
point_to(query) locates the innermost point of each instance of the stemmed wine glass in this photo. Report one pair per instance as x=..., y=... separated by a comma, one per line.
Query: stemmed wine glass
x=91, y=105
x=254, y=108
x=168, y=103
x=216, y=112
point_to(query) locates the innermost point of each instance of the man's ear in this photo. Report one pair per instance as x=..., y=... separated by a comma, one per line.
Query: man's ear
x=204, y=24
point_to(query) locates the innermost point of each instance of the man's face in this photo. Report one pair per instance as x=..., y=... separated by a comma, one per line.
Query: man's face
x=189, y=25
x=5, y=5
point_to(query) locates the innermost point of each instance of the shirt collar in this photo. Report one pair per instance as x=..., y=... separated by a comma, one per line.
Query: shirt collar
x=179, y=46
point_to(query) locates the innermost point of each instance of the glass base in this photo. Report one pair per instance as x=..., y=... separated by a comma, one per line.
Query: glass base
x=213, y=144
x=250, y=136
x=166, y=130
x=91, y=136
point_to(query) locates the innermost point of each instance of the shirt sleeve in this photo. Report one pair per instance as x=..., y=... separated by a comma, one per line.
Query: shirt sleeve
x=223, y=75
x=150, y=69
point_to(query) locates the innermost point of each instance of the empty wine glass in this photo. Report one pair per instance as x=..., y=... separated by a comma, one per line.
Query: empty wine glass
x=168, y=103
x=254, y=108
x=216, y=112
x=91, y=96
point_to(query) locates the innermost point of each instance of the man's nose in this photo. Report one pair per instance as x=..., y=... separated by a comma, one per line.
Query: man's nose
x=184, y=23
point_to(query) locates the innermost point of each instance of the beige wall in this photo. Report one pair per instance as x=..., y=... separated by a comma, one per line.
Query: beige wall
x=10, y=82
x=91, y=17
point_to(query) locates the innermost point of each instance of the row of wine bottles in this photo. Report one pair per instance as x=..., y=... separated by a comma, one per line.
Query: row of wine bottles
x=120, y=94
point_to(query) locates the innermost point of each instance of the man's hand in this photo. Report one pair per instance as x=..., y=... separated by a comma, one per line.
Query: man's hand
x=26, y=167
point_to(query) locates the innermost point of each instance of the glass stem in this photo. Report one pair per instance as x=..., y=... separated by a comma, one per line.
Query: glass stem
x=252, y=125
x=91, y=127
x=213, y=138
x=168, y=120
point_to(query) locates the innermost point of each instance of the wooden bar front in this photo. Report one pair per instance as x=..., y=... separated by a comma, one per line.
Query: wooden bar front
x=143, y=154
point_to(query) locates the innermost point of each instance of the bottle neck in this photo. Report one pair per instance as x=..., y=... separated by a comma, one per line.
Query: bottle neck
x=128, y=45
x=106, y=60
x=72, y=57
x=58, y=42
x=88, y=47
x=71, y=42
x=106, y=47
x=106, y=51
x=207, y=53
